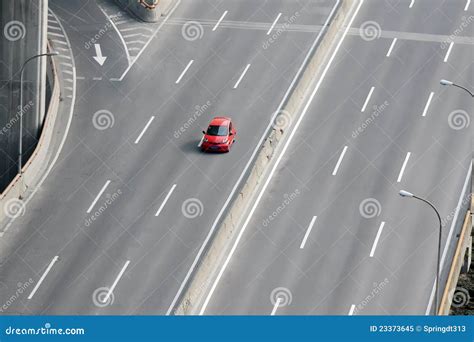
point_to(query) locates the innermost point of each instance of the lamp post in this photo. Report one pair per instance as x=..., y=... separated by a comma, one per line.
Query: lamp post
x=404, y=193
x=20, y=146
x=450, y=83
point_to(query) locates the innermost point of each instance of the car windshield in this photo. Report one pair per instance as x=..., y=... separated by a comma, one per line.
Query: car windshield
x=218, y=130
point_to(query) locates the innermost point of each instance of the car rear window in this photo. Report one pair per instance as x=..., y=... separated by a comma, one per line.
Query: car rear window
x=218, y=130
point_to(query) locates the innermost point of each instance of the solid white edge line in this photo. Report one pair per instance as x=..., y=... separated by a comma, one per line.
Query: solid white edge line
x=391, y=47
x=351, y=310
x=308, y=231
x=220, y=19
x=112, y=288
x=448, y=52
x=448, y=240
x=149, y=41
x=367, y=99
x=341, y=157
x=428, y=104
x=144, y=130
x=412, y=3
x=290, y=138
x=376, y=241
x=98, y=196
x=165, y=200
x=467, y=5
x=184, y=71
x=400, y=175
x=275, y=307
x=274, y=23
x=241, y=76
x=43, y=276
x=249, y=162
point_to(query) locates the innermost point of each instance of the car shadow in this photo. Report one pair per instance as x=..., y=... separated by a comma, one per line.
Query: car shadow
x=191, y=147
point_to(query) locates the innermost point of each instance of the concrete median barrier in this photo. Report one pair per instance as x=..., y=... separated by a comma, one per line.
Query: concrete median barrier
x=147, y=10
x=10, y=200
x=221, y=243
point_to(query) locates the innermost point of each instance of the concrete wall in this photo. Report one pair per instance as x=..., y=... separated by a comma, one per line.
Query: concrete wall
x=22, y=35
x=147, y=10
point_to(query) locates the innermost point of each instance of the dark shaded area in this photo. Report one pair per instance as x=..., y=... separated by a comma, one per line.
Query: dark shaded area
x=21, y=37
x=463, y=299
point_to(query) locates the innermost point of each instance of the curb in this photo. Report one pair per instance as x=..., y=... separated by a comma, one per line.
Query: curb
x=226, y=234
x=11, y=198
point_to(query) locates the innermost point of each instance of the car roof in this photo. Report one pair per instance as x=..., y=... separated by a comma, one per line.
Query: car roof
x=220, y=121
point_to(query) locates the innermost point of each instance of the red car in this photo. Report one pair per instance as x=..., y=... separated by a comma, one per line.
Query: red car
x=220, y=135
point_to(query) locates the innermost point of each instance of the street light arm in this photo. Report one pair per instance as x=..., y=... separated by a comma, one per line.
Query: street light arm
x=438, y=264
x=432, y=206
x=464, y=88
x=33, y=57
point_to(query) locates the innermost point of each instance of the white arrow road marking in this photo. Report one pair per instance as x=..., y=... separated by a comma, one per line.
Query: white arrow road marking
x=98, y=57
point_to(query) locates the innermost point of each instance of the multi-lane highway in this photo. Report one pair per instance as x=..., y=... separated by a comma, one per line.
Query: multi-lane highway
x=118, y=222
x=329, y=233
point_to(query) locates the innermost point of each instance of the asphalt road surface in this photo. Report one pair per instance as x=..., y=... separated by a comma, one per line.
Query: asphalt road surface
x=331, y=235
x=117, y=224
